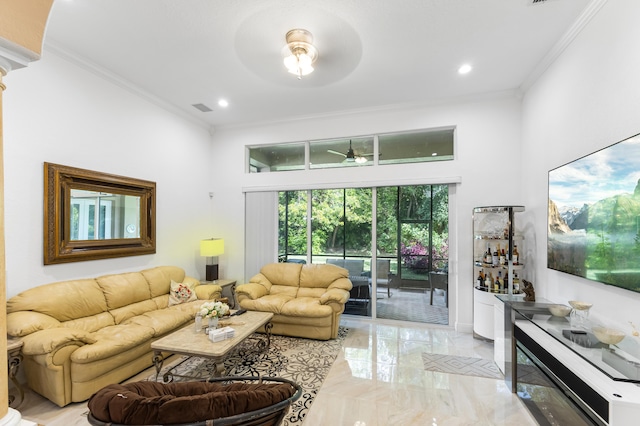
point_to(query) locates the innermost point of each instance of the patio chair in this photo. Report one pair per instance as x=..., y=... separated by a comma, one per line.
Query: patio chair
x=360, y=294
x=439, y=280
x=383, y=267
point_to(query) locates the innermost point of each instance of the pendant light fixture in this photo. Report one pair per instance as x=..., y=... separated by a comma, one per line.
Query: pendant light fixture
x=299, y=53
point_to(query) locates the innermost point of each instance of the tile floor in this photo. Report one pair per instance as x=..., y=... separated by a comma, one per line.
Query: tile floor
x=379, y=379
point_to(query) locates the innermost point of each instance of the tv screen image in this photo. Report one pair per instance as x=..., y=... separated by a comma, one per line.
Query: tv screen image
x=594, y=216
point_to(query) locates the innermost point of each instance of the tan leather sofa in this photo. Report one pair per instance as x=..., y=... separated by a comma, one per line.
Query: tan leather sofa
x=306, y=300
x=82, y=335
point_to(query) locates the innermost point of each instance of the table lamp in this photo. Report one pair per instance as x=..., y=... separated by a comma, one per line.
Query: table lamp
x=212, y=248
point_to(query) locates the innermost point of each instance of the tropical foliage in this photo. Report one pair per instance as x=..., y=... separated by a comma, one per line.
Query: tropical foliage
x=410, y=220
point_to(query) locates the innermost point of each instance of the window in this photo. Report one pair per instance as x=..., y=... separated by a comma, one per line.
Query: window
x=391, y=148
x=341, y=153
x=292, y=226
x=415, y=147
x=276, y=158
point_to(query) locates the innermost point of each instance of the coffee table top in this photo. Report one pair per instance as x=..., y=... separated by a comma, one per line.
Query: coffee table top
x=186, y=341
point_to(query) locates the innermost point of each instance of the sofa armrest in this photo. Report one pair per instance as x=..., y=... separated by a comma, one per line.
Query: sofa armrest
x=341, y=283
x=251, y=291
x=48, y=341
x=335, y=295
x=23, y=323
x=208, y=291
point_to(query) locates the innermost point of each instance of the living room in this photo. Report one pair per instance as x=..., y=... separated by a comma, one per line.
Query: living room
x=582, y=99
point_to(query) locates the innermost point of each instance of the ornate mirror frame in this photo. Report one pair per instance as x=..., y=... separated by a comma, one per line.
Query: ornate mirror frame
x=59, y=248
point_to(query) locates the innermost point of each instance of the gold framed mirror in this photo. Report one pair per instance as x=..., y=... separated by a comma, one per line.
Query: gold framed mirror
x=91, y=215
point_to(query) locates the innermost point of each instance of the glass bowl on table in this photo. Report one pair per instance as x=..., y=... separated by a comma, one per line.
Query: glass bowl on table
x=580, y=314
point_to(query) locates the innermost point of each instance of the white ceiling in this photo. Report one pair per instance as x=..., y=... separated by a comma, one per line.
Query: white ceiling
x=372, y=53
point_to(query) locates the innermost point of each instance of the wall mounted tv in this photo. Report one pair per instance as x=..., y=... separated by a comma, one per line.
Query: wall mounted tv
x=594, y=216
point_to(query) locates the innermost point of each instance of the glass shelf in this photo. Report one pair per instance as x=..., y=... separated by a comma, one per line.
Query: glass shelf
x=621, y=362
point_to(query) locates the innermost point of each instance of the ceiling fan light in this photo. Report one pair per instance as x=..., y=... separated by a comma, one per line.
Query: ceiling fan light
x=299, y=54
x=361, y=160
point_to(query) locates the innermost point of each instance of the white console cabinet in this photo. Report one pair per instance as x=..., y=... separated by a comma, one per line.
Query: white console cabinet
x=565, y=376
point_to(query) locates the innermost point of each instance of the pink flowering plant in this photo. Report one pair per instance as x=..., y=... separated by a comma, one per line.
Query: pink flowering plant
x=214, y=310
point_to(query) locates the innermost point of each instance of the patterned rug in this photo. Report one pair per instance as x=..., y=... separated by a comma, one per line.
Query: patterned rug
x=304, y=361
x=467, y=366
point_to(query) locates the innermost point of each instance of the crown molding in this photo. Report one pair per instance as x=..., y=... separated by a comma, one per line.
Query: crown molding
x=15, y=56
x=55, y=49
x=565, y=41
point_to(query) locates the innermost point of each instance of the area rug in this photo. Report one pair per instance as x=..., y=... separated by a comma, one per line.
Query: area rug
x=304, y=361
x=467, y=366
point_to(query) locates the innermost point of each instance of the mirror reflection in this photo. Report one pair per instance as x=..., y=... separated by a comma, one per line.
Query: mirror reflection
x=103, y=216
x=90, y=215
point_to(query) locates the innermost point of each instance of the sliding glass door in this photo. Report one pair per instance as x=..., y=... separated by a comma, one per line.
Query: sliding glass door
x=411, y=245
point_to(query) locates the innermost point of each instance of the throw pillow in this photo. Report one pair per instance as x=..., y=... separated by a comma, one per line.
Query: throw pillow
x=181, y=293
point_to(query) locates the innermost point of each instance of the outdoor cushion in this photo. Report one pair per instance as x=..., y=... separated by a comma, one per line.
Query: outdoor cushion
x=153, y=403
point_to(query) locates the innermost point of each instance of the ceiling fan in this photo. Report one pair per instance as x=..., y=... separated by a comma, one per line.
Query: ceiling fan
x=351, y=156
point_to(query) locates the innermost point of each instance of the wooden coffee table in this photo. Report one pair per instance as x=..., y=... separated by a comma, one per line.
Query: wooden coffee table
x=186, y=341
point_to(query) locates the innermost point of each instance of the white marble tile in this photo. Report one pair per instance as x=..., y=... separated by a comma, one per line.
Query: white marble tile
x=379, y=379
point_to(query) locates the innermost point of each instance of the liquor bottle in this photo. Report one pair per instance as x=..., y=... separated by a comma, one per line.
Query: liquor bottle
x=495, y=259
x=515, y=255
x=503, y=258
x=516, y=283
x=480, y=280
x=487, y=255
x=496, y=285
x=500, y=281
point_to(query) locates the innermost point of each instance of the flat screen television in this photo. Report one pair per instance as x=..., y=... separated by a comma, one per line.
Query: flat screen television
x=594, y=216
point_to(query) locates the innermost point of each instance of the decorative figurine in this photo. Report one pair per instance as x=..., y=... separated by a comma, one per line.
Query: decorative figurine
x=529, y=291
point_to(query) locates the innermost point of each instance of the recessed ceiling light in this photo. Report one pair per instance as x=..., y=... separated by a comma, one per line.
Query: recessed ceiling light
x=434, y=154
x=465, y=69
x=223, y=103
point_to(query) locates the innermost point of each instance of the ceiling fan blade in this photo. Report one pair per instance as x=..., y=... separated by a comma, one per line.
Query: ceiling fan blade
x=336, y=152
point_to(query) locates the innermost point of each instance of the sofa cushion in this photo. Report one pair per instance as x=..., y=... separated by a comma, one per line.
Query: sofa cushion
x=162, y=321
x=110, y=341
x=92, y=323
x=311, y=292
x=284, y=290
x=159, y=279
x=285, y=274
x=181, y=293
x=269, y=303
x=309, y=307
x=122, y=314
x=315, y=276
x=124, y=289
x=63, y=301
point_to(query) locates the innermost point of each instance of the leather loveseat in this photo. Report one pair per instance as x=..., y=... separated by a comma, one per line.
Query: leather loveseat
x=306, y=300
x=82, y=335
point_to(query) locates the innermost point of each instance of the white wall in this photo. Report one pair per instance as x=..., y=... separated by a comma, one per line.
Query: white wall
x=487, y=141
x=588, y=99
x=57, y=112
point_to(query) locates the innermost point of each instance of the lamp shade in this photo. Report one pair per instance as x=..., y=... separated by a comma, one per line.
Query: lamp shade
x=211, y=248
